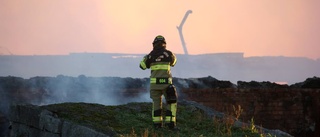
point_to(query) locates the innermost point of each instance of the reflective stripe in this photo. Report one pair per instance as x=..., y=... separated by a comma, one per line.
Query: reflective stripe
x=170, y=119
x=173, y=119
x=174, y=60
x=143, y=64
x=161, y=80
x=160, y=67
x=173, y=108
x=157, y=119
x=156, y=115
x=153, y=80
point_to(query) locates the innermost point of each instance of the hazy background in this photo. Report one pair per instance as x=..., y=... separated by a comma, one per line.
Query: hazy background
x=269, y=28
x=254, y=27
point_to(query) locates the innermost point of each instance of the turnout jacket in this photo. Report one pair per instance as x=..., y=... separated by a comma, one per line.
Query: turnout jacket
x=159, y=60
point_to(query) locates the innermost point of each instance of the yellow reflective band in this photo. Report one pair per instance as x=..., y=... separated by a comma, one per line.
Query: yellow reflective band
x=160, y=67
x=154, y=80
x=170, y=119
x=173, y=108
x=143, y=65
x=157, y=119
x=174, y=61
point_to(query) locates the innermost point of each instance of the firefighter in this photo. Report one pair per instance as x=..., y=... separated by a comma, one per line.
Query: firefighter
x=159, y=60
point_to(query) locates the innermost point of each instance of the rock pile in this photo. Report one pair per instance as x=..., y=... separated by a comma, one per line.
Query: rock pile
x=32, y=121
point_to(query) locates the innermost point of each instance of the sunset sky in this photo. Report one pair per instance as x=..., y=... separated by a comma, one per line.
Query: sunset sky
x=254, y=27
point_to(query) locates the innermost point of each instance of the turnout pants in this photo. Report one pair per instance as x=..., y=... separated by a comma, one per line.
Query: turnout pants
x=169, y=119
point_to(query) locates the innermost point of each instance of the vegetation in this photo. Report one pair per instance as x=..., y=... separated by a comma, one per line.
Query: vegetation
x=134, y=120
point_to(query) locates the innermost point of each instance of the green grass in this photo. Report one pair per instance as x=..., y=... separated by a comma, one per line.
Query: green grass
x=134, y=120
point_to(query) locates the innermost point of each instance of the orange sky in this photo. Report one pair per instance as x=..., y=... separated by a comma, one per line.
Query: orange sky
x=254, y=27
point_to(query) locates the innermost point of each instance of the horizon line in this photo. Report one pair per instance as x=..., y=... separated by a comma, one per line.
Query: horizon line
x=117, y=53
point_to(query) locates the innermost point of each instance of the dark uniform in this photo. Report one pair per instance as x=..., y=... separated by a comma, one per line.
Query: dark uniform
x=160, y=60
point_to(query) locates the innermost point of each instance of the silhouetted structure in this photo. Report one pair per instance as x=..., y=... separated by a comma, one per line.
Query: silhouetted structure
x=180, y=31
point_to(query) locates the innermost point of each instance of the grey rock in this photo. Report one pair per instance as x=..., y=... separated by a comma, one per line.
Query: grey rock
x=21, y=130
x=73, y=130
x=49, y=123
x=32, y=121
x=25, y=114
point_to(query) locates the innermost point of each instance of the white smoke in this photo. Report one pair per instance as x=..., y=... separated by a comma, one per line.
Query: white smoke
x=101, y=90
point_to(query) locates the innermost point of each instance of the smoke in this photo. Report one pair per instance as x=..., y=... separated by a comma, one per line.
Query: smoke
x=235, y=67
x=225, y=66
x=60, y=89
x=101, y=90
x=92, y=88
x=52, y=90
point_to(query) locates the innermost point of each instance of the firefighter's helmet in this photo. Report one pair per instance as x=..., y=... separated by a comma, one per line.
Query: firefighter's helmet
x=159, y=38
